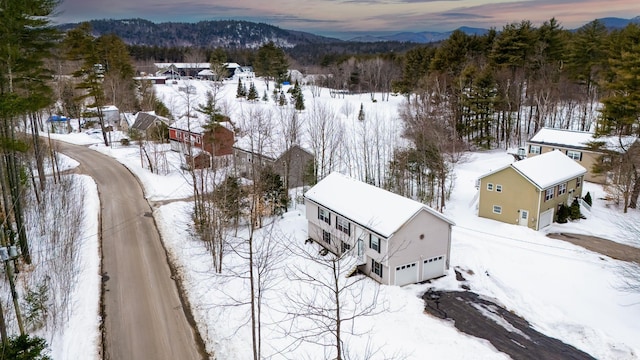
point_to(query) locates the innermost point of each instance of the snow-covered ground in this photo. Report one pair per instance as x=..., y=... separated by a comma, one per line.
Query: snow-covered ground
x=563, y=290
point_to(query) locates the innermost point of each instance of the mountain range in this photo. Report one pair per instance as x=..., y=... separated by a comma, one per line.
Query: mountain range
x=245, y=34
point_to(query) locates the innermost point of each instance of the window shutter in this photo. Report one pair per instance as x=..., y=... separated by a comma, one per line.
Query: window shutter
x=349, y=229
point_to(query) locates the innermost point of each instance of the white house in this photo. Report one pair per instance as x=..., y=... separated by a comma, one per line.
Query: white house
x=396, y=240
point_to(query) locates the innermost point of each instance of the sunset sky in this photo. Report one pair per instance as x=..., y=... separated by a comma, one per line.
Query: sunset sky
x=341, y=17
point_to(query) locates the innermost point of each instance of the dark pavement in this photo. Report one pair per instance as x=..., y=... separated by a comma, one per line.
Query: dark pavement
x=507, y=332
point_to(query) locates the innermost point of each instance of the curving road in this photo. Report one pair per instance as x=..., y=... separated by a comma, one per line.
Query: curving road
x=143, y=313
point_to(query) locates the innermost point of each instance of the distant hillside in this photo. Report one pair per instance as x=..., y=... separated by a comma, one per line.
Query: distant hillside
x=423, y=37
x=224, y=33
x=618, y=23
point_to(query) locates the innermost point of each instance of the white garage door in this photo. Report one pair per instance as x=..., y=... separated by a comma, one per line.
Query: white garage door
x=433, y=267
x=407, y=274
x=546, y=218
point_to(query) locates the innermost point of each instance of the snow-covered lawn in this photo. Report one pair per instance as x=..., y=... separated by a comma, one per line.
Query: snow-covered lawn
x=563, y=290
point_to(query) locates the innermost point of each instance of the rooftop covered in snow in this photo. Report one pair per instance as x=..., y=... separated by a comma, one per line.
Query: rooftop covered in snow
x=377, y=209
x=580, y=139
x=549, y=169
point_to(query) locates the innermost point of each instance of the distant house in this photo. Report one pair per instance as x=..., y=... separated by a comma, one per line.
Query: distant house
x=190, y=132
x=179, y=70
x=201, y=70
x=291, y=164
x=581, y=146
x=395, y=240
x=150, y=124
x=529, y=192
x=110, y=113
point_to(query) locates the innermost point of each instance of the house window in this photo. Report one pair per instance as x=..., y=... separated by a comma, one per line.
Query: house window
x=326, y=237
x=345, y=247
x=578, y=181
x=343, y=225
x=497, y=209
x=562, y=188
x=376, y=268
x=534, y=149
x=575, y=155
x=374, y=243
x=548, y=195
x=498, y=188
x=489, y=187
x=323, y=214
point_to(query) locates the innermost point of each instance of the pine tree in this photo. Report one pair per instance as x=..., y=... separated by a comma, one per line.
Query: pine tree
x=241, y=91
x=299, y=102
x=27, y=39
x=265, y=97
x=253, y=93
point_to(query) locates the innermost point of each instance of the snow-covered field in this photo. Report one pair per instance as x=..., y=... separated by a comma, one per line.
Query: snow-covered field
x=563, y=290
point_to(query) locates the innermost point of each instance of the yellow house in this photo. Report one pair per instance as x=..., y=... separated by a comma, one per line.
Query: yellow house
x=579, y=146
x=529, y=192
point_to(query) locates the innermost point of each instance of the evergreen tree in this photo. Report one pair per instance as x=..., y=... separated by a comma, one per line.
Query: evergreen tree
x=273, y=191
x=241, y=91
x=253, y=93
x=24, y=347
x=298, y=98
x=27, y=40
x=574, y=210
x=271, y=62
x=282, y=99
x=265, y=97
x=621, y=108
x=587, y=199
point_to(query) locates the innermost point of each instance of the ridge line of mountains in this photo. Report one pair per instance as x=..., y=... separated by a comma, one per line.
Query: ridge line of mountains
x=245, y=34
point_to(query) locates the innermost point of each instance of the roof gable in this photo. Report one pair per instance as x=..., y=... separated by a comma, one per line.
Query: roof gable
x=549, y=169
x=145, y=120
x=377, y=209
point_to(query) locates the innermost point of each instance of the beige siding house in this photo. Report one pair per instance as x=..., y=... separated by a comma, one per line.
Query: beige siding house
x=581, y=146
x=529, y=192
x=396, y=240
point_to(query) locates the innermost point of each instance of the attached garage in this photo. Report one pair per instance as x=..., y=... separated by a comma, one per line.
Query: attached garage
x=432, y=268
x=407, y=274
x=546, y=218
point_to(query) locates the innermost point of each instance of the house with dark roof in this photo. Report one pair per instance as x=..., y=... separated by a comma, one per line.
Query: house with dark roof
x=150, y=124
x=290, y=163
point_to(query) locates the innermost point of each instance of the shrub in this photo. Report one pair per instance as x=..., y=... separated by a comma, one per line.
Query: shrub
x=574, y=210
x=124, y=142
x=563, y=214
x=587, y=199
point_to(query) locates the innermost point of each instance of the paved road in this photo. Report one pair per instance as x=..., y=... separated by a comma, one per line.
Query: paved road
x=603, y=246
x=505, y=330
x=144, y=317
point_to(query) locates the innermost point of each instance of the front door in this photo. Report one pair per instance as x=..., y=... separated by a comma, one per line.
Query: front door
x=524, y=217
